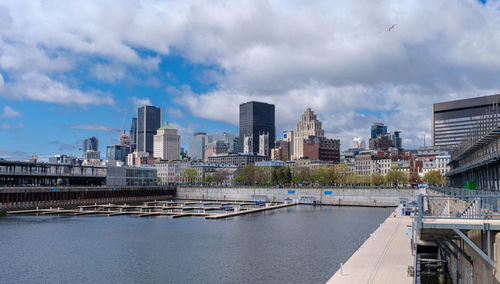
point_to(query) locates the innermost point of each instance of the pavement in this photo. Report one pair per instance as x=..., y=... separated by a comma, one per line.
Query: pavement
x=383, y=258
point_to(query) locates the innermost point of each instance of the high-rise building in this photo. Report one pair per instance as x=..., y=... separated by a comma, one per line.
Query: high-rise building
x=117, y=153
x=378, y=129
x=397, y=141
x=90, y=144
x=358, y=143
x=322, y=149
x=167, y=144
x=197, y=145
x=289, y=136
x=215, y=148
x=148, y=121
x=309, y=125
x=133, y=135
x=256, y=118
x=452, y=120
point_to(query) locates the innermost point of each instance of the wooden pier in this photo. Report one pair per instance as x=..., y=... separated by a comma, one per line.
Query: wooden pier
x=170, y=208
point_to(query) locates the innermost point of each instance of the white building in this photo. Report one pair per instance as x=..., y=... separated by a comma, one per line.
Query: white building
x=367, y=164
x=309, y=125
x=171, y=171
x=442, y=164
x=248, y=144
x=264, y=144
x=166, y=143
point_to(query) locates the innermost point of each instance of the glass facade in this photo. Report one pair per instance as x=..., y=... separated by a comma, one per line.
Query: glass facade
x=257, y=118
x=148, y=121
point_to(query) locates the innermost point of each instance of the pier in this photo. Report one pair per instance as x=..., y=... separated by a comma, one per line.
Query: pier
x=383, y=258
x=173, y=209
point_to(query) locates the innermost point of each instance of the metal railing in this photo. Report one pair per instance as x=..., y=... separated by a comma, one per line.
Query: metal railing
x=471, y=206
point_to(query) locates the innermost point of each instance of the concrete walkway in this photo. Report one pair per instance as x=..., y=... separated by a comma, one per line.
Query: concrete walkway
x=382, y=259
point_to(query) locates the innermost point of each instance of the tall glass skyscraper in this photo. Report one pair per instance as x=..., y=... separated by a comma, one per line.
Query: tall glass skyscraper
x=148, y=121
x=257, y=118
x=378, y=129
x=90, y=144
x=133, y=134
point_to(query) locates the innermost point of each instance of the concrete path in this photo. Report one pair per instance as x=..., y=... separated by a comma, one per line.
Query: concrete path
x=382, y=259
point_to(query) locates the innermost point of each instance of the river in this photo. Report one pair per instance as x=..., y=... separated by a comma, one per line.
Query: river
x=300, y=244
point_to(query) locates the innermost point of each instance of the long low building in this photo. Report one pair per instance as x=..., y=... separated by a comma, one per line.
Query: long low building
x=16, y=173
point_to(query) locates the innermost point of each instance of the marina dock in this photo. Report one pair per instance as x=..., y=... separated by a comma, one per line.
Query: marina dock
x=170, y=208
x=383, y=258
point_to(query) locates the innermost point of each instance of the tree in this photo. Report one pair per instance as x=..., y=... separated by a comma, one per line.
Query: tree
x=249, y=174
x=208, y=179
x=190, y=175
x=320, y=176
x=220, y=176
x=376, y=179
x=396, y=176
x=288, y=176
x=303, y=175
x=433, y=177
x=343, y=173
x=414, y=178
x=275, y=179
x=239, y=180
x=364, y=180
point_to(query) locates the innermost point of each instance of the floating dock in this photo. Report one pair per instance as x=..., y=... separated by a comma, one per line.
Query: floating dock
x=170, y=208
x=383, y=258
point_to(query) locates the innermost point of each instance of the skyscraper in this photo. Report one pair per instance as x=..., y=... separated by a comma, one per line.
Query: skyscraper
x=309, y=125
x=378, y=129
x=167, y=144
x=148, y=121
x=133, y=134
x=196, y=145
x=90, y=144
x=257, y=118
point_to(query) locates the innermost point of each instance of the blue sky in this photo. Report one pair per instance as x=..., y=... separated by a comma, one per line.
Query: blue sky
x=75, y=68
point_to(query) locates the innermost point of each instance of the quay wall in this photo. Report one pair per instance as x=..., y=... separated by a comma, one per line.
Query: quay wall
x=12, y=198
x=346, y=197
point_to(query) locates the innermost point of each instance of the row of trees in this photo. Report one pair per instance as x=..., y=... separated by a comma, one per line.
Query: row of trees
x=335, y=175
x=339, y=174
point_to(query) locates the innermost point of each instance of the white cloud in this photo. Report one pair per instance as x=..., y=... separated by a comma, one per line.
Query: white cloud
x=20, y=125
x=9, y=112
x=2, y=82
x=5, y=126
x=336, y=57
x=40, y=87
x=91, y=126
x=139, y=102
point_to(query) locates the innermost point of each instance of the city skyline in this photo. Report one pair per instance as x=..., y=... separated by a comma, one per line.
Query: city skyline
x=60, y=79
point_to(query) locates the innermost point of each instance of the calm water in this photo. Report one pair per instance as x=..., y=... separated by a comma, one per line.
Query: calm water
x=302, y=244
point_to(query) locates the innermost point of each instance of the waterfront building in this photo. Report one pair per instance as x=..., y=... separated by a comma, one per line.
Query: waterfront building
x=148, y=122
x=90, y=144
x=15, y=173
x=117, y=153
x=171, y=171
x=131, y=176
x=133, y=135
x=167, y=144
x=322, y=148
x=452, y=120
x=368, y=164
x=272, y=164
x=309, y=125
x=378, y=129
x=140, y=158
x=442, y=164
x=280, y=151
x=197, y=145
x=92, y=155
x=256, y=118
x=239, y=160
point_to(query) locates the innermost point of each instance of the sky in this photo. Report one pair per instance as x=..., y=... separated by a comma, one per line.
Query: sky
x=73, y=69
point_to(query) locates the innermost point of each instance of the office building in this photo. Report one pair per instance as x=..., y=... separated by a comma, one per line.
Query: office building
x=309, y=125
x=358, y=143
x=197, y=145
x=133, y=135
x=215, y=148
x=452, y=120
x=238, y=160
x=117, y=153
x=167, y=143
x=148, y=121
x=378, y=129
x=322, y=149
x=289, y=136
x=264, y=144
x=257, y=118
x=396, y=139
x=90, y=144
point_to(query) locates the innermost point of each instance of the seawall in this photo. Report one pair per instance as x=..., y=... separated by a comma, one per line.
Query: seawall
x=343, y=197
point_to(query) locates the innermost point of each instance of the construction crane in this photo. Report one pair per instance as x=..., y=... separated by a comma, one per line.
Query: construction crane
x=77, y=145
x=119, y=130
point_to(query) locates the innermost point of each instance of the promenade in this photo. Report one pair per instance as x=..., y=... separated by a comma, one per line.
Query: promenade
x=383, y=258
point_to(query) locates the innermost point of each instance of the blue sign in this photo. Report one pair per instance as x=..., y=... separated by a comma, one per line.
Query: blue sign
x=114, y=188
x=291, y=192
x=284, y=135
x=54, y=190
x=328, y=192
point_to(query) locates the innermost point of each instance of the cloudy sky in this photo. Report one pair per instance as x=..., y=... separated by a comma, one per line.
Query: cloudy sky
x=71, y=69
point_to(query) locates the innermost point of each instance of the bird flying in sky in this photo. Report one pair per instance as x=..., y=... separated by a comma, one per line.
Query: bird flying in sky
x=392, y=27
